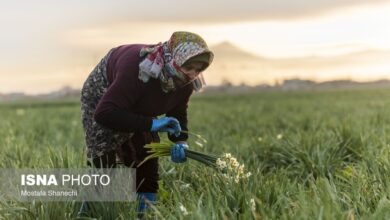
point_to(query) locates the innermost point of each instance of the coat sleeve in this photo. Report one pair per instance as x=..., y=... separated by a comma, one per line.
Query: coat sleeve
x=180, y=113
x=115, y=109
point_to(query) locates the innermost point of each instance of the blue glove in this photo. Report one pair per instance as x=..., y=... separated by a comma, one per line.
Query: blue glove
x=167, y=124
x=144, y=205
x=178, y=153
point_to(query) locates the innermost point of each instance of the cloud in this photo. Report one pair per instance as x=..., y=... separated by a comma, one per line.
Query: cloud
x=102, y=11
x=235, y=10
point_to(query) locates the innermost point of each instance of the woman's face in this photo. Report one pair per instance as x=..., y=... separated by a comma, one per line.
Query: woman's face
x=192, y=70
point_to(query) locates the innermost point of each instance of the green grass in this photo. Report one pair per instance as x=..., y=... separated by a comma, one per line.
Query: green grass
x=332, y=161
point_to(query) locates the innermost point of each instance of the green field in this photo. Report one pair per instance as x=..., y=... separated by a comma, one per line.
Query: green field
x=313, y=155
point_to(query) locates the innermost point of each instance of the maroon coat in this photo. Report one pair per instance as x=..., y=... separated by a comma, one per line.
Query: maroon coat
x=130, y=104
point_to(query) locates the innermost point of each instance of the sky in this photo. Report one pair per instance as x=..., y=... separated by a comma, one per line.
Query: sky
x=47, y=45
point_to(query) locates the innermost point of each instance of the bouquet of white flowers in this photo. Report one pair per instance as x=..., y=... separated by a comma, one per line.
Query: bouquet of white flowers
x=228, y=165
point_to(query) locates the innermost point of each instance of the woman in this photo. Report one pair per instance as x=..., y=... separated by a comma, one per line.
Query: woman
x=128, y=89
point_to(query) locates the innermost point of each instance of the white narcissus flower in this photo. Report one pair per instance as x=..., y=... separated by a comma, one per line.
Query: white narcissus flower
x=183, y=209
x=185, y=186
x=280, y=136
x=235, y=164
x=241, y=169
x=220, y=164
x=233, y=160
x=223, y=164
x=252, y=204
x=232, y=169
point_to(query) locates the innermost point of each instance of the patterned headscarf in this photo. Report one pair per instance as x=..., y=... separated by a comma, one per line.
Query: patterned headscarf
x=163, y=61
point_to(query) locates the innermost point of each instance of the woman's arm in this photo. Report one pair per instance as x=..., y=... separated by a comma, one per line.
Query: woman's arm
x=121, y=120
x=115, y=107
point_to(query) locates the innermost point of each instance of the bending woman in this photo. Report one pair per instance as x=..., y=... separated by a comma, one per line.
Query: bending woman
x=127, y=90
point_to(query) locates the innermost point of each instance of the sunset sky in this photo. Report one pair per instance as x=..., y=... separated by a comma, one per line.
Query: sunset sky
x=50, y=44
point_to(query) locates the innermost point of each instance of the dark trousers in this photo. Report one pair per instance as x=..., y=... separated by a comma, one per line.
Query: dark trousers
x=146, y=175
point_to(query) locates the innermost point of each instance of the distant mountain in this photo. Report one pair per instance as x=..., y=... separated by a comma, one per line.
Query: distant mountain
x=227, y=50
x=239, y=66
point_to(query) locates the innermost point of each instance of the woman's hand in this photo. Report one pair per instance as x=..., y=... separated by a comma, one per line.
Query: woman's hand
x=178, y=154
x=166, y=124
